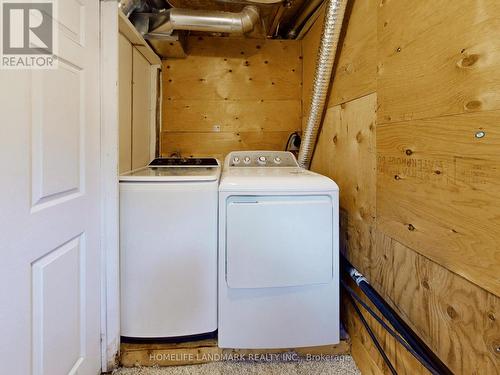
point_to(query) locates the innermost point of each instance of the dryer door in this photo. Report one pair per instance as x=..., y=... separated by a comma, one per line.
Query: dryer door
x=279, y=241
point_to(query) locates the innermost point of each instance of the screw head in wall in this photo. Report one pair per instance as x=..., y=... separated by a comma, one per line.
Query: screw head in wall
x=480, y=134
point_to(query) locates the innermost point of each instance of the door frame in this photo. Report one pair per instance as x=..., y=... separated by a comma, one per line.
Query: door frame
x=110, y=276
x=109, y=101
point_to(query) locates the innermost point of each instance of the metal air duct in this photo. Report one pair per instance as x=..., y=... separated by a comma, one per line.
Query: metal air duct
x=334, y=16
x=206, y=20
x=309, y=8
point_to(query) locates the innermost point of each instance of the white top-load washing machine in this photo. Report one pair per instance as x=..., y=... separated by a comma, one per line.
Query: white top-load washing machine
x=278, y=253
x=168, y=248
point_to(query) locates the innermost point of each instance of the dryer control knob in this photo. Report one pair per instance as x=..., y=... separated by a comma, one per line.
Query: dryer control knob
x=262, y=160
x=247, y=160
x=277, y=160
x=236, y=160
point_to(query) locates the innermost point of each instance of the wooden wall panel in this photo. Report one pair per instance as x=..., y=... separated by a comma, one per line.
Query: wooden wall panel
x=438, y=58
x=218, y=144
x=360, y=337
x=231, y=94
x=363, y=359
x=438, y=191
x=356, y=68
x=230, y=116
x=347, y=139
x=446, y=185
x=355, y=71
x=455, y=317
x=411, y=283
x=232, y=69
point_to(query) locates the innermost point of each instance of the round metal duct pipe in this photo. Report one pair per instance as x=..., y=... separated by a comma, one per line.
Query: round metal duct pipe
x=129, y=6
x=334, y=15
x=206, y=20
x=308, y=11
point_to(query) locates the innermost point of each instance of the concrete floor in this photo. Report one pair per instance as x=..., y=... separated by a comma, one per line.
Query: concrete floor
x=341, y=365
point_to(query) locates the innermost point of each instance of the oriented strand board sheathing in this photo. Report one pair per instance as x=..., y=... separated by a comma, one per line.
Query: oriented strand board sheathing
x=231, y=94
x=437, y=58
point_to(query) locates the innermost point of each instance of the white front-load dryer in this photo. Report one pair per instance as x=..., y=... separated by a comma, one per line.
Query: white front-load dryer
x=278, y=253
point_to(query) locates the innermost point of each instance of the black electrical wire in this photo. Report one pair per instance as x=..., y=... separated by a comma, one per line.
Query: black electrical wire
x=288, y=141
x=373, y=337
x=352, y=294
x=425, y=355
x=296, y=134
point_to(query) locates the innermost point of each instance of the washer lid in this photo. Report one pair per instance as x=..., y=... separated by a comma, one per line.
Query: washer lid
x=172, y=174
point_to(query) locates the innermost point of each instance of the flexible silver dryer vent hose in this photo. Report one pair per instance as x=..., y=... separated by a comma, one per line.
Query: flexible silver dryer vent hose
x=334, y=15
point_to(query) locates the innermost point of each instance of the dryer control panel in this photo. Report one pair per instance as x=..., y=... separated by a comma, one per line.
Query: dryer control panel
x=245, y=159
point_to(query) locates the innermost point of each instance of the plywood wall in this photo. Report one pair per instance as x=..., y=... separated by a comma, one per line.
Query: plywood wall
x=231, y=94
x=415, y=85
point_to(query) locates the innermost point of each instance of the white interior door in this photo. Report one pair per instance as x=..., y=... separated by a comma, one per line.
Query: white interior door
x=50, y=207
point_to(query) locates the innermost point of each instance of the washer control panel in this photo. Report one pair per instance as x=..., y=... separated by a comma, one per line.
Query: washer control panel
x=260, y=159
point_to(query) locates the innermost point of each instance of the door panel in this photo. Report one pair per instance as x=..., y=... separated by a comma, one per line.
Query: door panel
x=50, y=206
x=72, y=13
x=279, y=241
x=59, y=313
x=57, y=161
